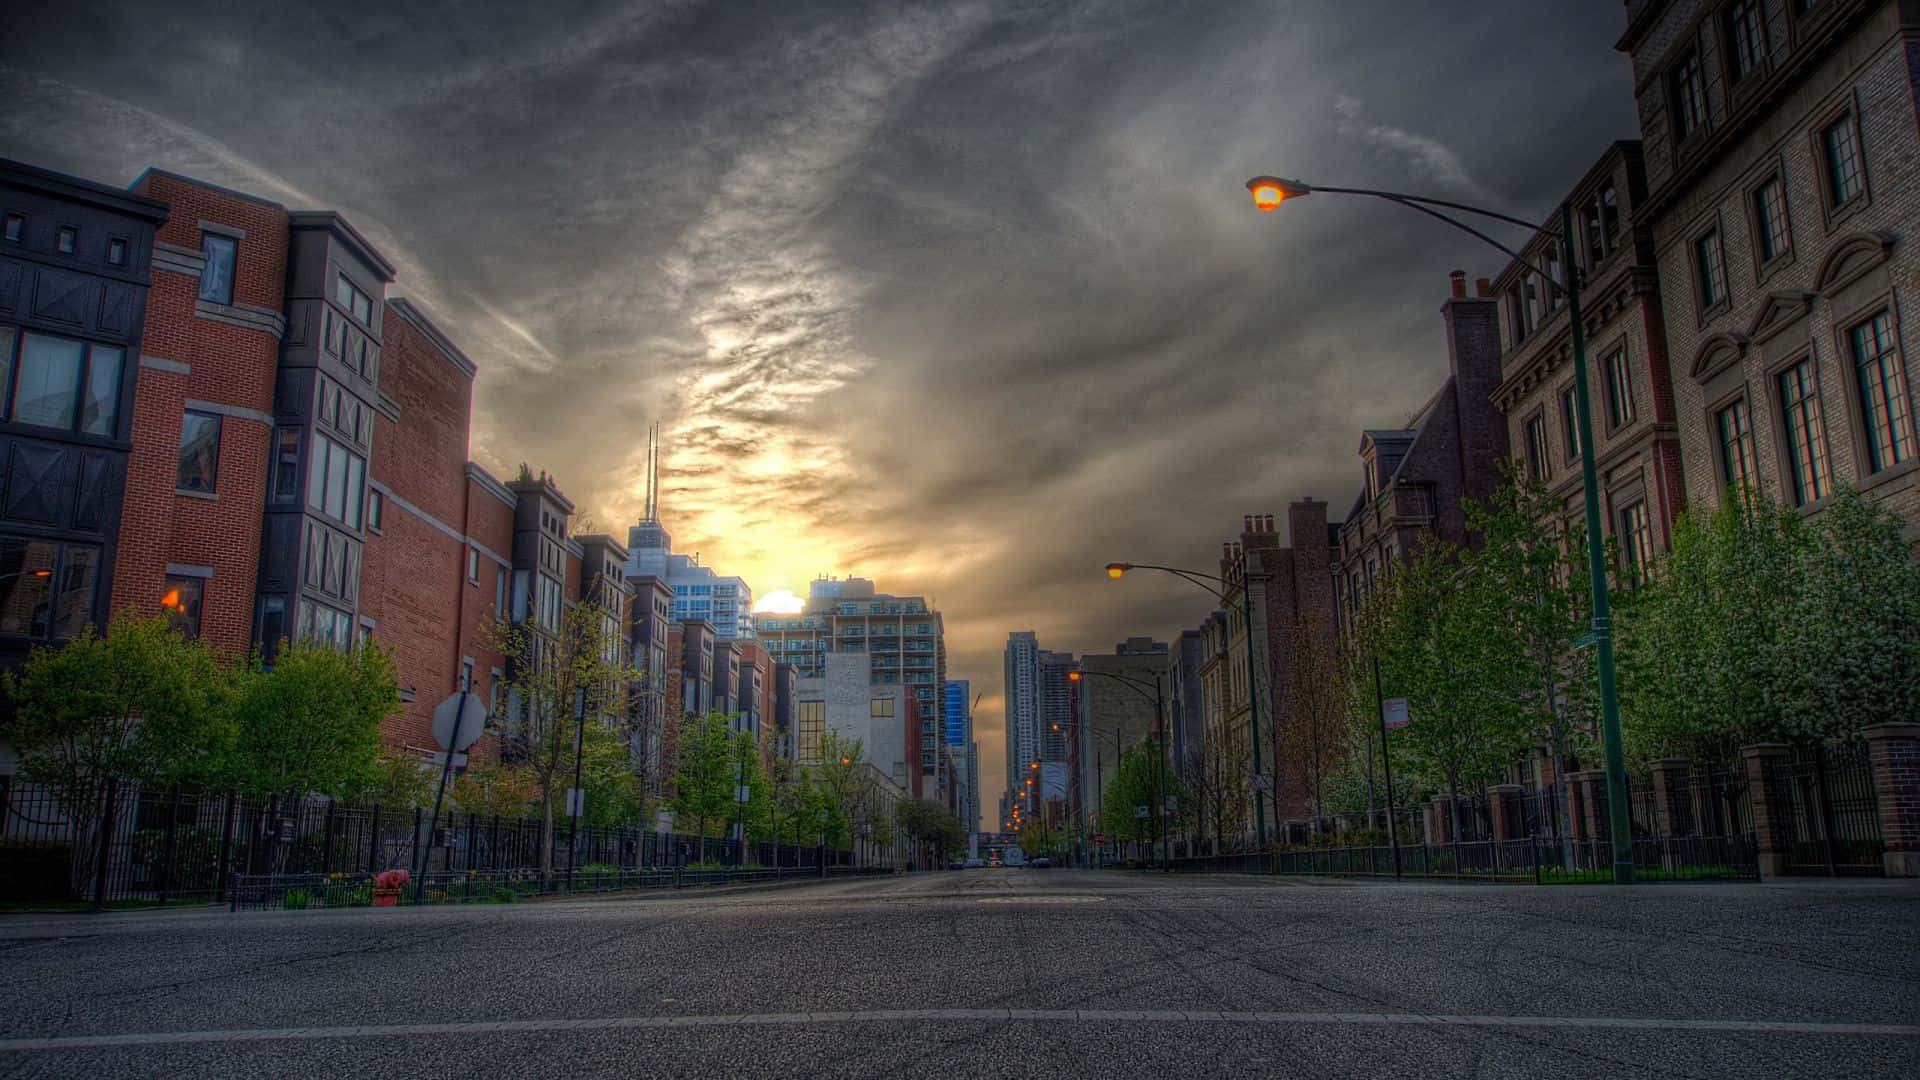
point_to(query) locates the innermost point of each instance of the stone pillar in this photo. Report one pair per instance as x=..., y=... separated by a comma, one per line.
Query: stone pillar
x=1895, y=751
x=1503, y=806
x=1770, y=836
x=1669, y=779
x=1589, y=825
x=1439, y=820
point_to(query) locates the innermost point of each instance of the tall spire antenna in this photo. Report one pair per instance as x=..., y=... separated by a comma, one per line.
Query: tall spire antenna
x=653, y=472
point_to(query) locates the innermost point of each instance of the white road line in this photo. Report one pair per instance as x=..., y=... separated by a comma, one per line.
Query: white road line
x=1080, y=1016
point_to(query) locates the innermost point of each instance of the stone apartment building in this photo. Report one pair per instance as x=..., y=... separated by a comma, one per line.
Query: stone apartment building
x=1414, y=477
x=1635, y=434
x=1782, y=152
x=1293, y=605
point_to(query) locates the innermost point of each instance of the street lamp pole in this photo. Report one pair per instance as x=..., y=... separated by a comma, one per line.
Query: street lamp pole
x=1194, y=577
x=1159, y=699
x=1268, y=193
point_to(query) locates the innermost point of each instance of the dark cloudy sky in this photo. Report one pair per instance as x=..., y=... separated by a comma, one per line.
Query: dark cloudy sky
x=964, y=297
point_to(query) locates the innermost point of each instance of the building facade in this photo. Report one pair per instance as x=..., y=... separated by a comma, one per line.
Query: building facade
x=1635, y=434
x=1782, y=153
x=75, y=283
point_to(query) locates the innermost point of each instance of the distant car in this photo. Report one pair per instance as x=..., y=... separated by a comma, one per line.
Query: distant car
x=976, y=864
x=957, y=864
x=1040, y=863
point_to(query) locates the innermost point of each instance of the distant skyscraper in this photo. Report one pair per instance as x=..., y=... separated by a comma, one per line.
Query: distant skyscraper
x=959, y=712
x=900, y=636
x=1022, y=706
x=698, y=591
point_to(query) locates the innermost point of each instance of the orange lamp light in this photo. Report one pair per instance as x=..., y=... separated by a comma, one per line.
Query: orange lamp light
x=1270, y=191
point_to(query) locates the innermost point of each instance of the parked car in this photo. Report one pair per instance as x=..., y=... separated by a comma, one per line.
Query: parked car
x=957, y=864
x=976, y=864
x=1040, y=863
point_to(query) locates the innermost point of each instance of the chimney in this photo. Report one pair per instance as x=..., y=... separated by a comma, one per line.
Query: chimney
x=1246, y=523
x=1457, y=283
x=1482, y=288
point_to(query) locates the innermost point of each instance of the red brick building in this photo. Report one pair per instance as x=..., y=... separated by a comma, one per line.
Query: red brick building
x=203, y=417
x=439, y=531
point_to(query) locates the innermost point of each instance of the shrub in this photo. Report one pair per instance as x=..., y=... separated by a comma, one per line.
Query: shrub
x=296, y=899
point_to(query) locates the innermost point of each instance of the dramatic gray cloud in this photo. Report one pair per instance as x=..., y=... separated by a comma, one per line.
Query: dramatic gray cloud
x=964, y=297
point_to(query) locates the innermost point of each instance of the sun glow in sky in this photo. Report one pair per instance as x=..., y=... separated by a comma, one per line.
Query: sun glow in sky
x=780, y=602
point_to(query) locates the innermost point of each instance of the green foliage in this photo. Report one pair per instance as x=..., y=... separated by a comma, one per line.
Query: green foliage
x=140, y=704
x=311, y=723
x=551, y=673
x=926, y=821
x=495, y=789
x=616, y=797
x=296, y=899
x=1141, y=779
x=709, y=771
x=400, y=781
x=1765, y=626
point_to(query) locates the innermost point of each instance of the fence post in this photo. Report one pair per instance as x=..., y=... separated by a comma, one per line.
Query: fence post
x=1894, y=751
x=1771, y=834
x=1825, y=802
x=173, y=828
x=419, y=854
x=106, y=839
x=373, y=842
x=1534, y=843
x=226, y=849
x=326, y=840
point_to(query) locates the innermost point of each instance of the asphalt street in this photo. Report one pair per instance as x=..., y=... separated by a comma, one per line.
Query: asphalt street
x=991, y=973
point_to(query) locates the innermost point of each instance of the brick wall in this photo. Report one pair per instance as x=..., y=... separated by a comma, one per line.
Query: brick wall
x=227, y=365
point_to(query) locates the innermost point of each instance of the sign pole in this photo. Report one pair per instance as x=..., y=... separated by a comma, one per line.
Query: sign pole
x=446, y=770
x=1386, y=763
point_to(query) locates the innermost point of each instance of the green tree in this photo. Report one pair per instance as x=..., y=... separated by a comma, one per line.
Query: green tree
x=1142, y=779
x=708, y=772
x=311, y=722
x=138, y=705
x=557, y=665
x=929, y=826
x=495, y=789
x=398, y=780
x=616, y=795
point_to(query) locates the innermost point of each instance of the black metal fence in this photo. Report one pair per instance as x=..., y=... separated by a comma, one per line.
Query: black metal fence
x=158, y=847
x=1539, y=860
x=1822, y=800
x=301, y=891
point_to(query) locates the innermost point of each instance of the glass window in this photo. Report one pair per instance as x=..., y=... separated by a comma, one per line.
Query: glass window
x=26, y=574
x=376, y=509
x=16, y=227
x=352, y=493
x=1806, y=432
x=1883, y=393
x=181, y=602
x=116, y=252
x=1770, y=220
x=1636, y=541
x=273, y=623
x=317, y=475
x=473, y=565
x=1844, y=179
x=1736, y=445
x=351, y=298
x=216, y=278
x=73, y=608
x=66, y=240
x=49, y=381
x=100, y=408
x=336, y=494
x=1536, y=447
x=7, y=335
x=286, y=466
x=811, y=720
x=1747, y=37
x=1619, y=390
x=1689, y=90
x=882, y=706
x=199, y=452
x=1708, y=271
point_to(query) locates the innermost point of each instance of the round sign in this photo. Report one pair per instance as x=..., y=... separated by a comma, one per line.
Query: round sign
x=458, y=721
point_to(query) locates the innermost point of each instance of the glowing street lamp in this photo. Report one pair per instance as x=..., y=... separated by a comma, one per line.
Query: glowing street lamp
x=1268, y=193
